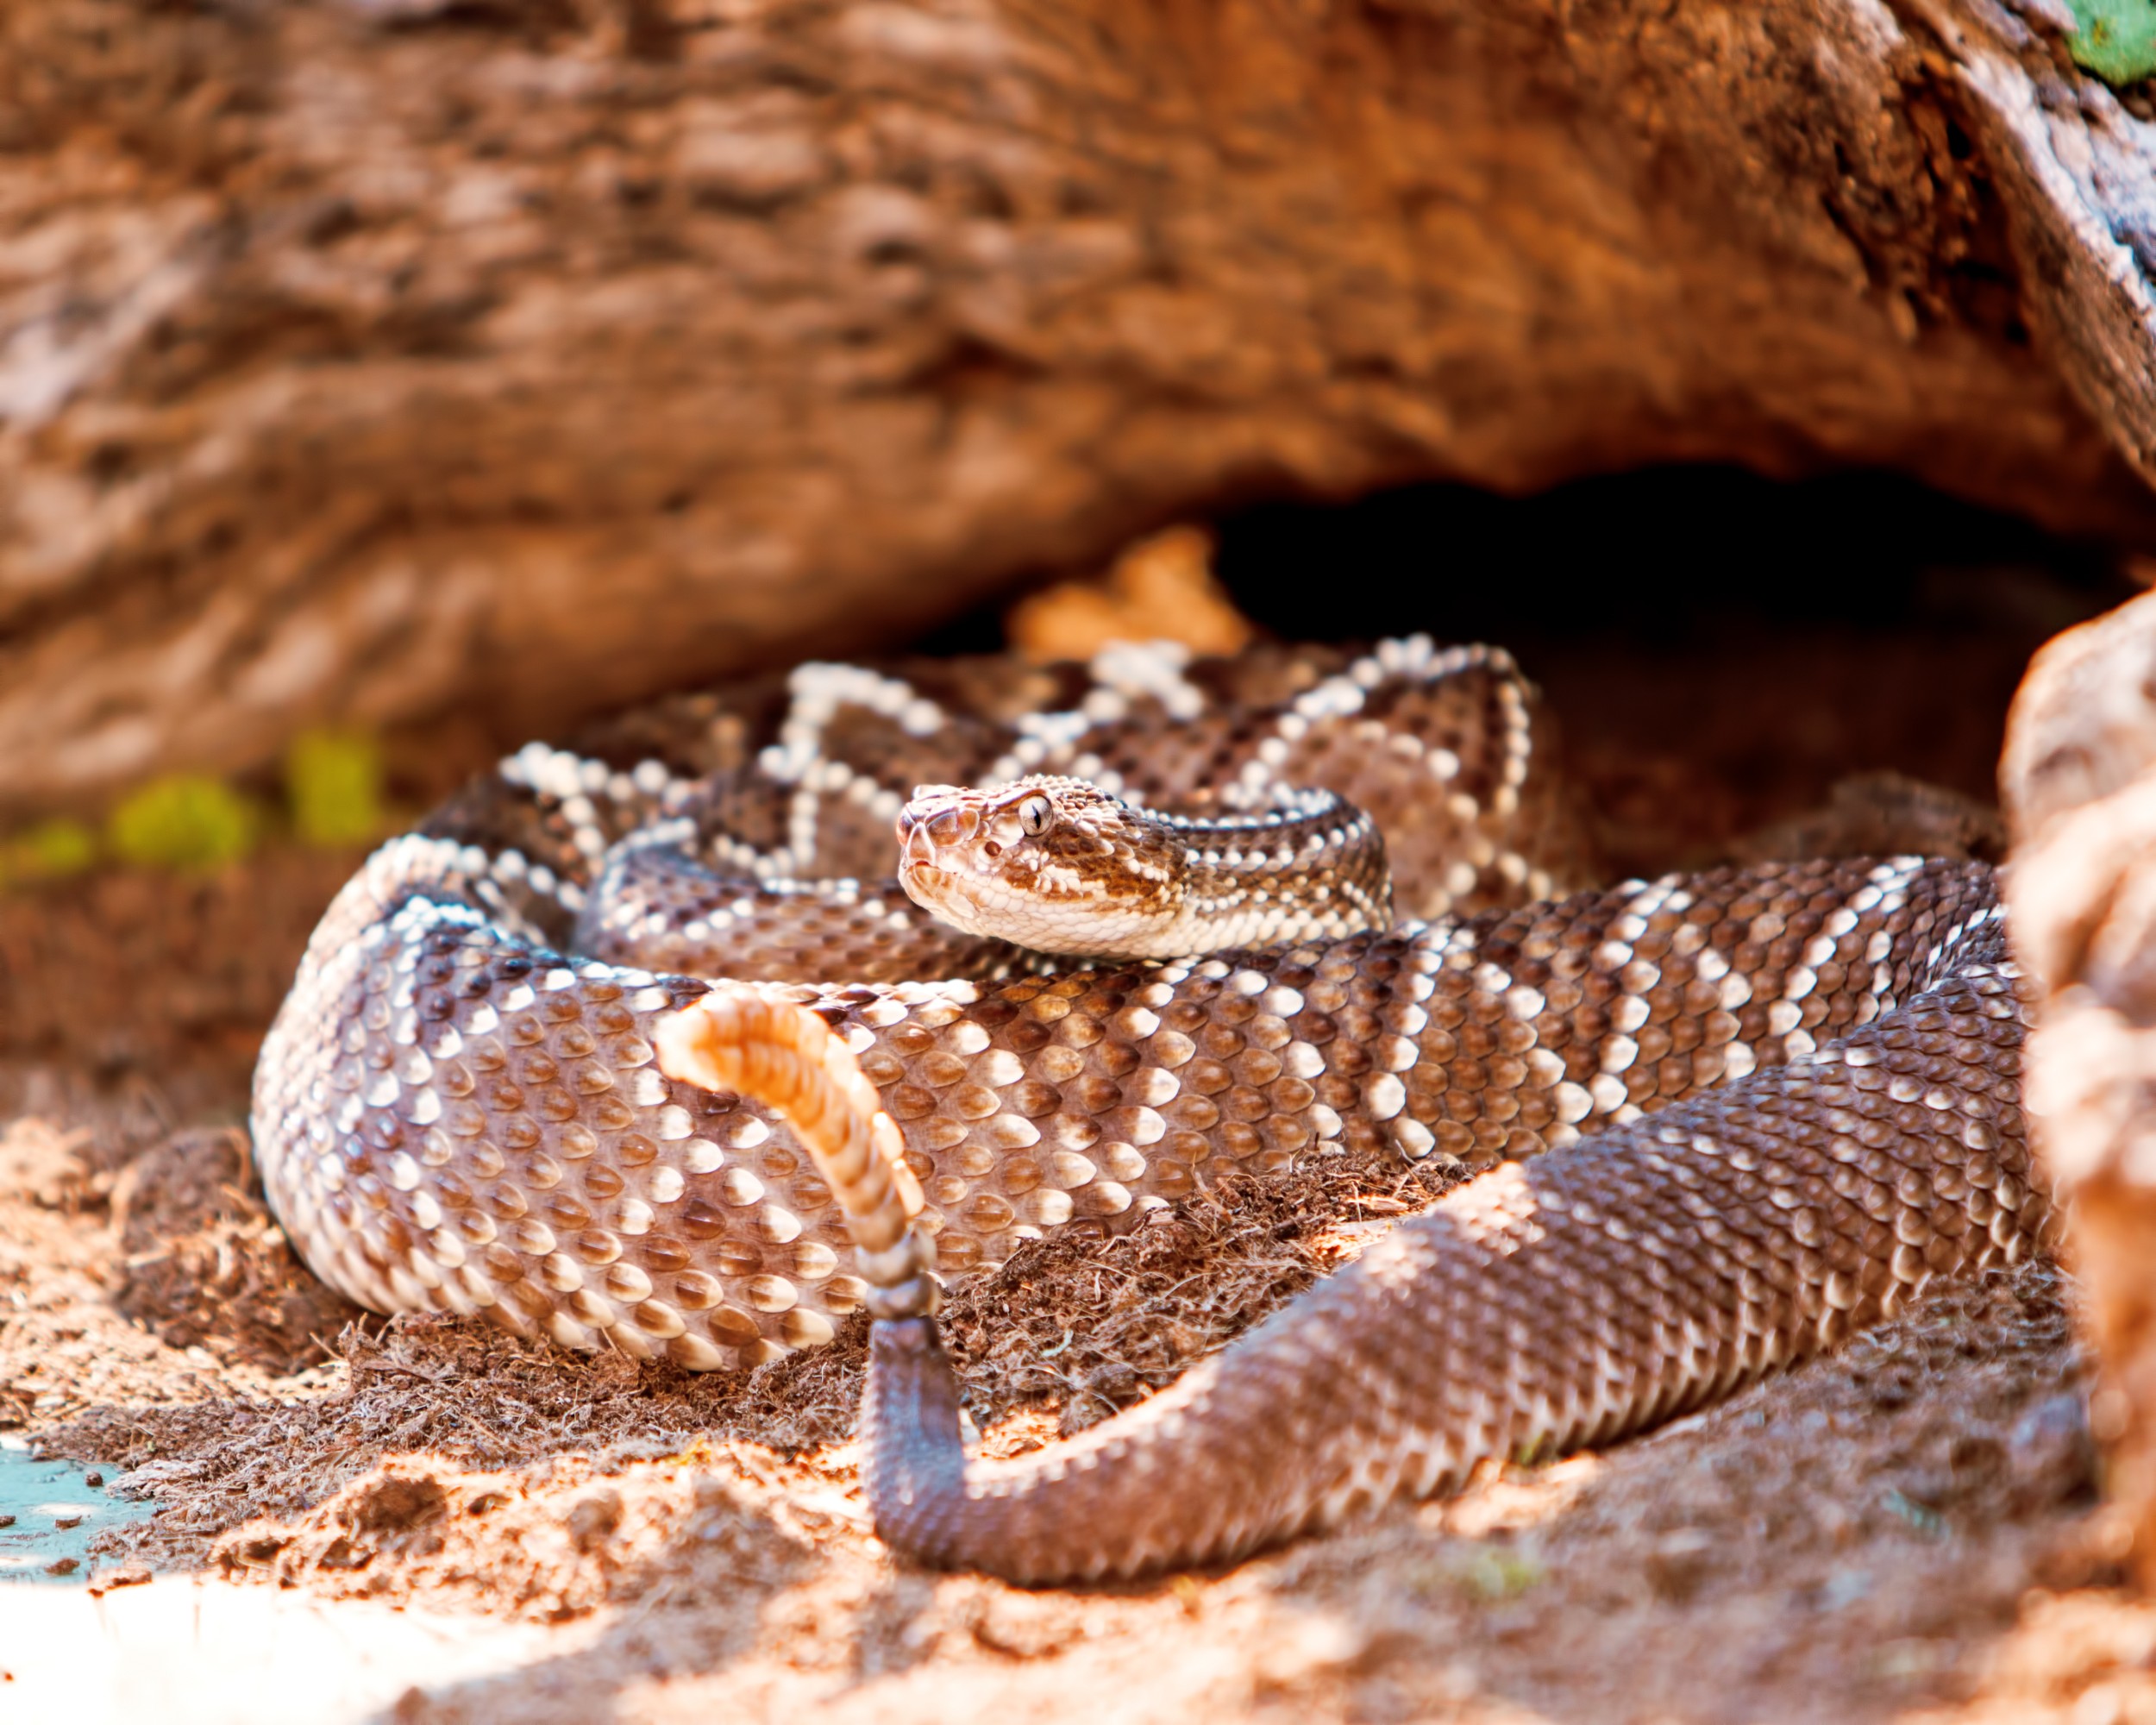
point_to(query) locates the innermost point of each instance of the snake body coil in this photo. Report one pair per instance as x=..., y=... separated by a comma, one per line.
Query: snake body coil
x=1774, y=1101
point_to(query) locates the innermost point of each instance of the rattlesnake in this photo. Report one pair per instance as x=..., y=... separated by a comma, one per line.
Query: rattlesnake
x=1775, y=1102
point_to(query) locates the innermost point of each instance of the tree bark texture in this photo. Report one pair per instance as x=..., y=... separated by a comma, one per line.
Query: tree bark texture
x=2079, y=783
x=398, y=362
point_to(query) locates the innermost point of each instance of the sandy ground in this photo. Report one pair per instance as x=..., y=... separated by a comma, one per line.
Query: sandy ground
x=424, y=1521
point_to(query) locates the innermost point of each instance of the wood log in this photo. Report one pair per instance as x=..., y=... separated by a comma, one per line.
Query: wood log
x=2079, y=782
x=465, y=368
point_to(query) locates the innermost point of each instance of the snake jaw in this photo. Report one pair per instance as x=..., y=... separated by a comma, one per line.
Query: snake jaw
x=932, y=829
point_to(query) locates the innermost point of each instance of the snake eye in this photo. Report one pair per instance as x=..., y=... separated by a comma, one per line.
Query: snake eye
x=1036, y=816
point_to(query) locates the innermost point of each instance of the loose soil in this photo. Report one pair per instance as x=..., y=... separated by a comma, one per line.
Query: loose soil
x=1907, y=1530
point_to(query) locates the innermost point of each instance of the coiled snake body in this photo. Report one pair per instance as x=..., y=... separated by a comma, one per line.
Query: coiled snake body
x=1741, y=1113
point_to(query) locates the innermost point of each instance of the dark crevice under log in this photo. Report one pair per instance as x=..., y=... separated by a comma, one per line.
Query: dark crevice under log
x=402, y=364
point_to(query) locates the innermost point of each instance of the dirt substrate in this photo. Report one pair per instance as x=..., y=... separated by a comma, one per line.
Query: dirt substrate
x=1906, y=1526
x=1907, y=1530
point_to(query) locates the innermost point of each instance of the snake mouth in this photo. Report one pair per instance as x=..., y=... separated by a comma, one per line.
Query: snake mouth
x=950, y=895
x=942, y=896
x=924, y=880
x=927, y=882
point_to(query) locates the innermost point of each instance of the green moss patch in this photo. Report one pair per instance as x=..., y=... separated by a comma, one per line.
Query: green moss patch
x=47, y=851
x=2115, y=38
x=185, y=820
x=334, y=781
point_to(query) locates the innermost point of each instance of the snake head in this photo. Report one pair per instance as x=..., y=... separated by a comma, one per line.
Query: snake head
x=1052, y=864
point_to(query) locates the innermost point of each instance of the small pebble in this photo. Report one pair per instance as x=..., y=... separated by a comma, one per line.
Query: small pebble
x=7, y=1521
x=1846, y=1587
x=2052, y=1453
x=93, y=1477
x=592, y=1521
x=64, y=1522
x=1678, y=1565
x=128, y=1575
x=63, y=1566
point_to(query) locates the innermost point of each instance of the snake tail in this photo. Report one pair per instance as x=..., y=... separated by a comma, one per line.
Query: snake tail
x=1569, y=1300
x=785, y=1057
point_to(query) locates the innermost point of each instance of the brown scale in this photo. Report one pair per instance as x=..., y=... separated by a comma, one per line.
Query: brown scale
x=1565, y=1301
x=447, y=1121
x=498, y=817
x=854, y=841
x=1380, y=757
x=1484, y=1093
x=697, y=735
x=1001, y=689
x=1174, y=763
x=993, y=686
x=876, y=935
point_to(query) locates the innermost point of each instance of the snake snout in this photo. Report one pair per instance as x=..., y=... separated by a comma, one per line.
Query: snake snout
x=934, y=814
x=951, y=826
x=921, y=857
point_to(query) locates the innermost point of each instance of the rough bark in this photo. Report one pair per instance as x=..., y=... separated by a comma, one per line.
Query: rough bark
x=2079, y=780
x=397, y=362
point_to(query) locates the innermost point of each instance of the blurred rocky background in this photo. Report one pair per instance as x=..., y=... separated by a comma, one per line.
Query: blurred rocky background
x=451, y=370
